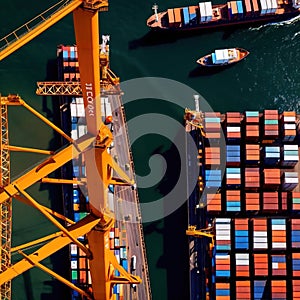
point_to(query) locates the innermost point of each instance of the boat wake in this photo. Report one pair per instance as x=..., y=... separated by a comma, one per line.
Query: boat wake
x=277, y=24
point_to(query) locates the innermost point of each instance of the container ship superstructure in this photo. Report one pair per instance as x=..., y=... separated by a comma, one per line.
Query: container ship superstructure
x=233, y=13
x=244, y=227
x=126, y=236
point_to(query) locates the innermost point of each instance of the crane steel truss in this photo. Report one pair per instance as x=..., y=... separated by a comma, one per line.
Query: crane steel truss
x=5, y=207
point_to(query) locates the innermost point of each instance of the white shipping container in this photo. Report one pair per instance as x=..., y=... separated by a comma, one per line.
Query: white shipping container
x=81, y=130
x=274, y=265
x=202, y=12
x=290, y=147
x=290, y=127
x=208, y=9
x=279, y=245
x=278, y=227
x=242, y=262
x=223, y=220
x=73, y=249
x=264, y=7
x=269, y=6
x=286, y=118
x=223, y=226
x=80, y=110
x=74, y=134
x=222, y=232
x=260, y=233
x=260, y=245
x=233, y=129
x=274, y=6
x=222, y=256
x=73, y=108
x=291, y=158
x=260, y=240
x=73, y=264
x=236, y=176
x=223, y=237
x=79, y=100
x=242, y=256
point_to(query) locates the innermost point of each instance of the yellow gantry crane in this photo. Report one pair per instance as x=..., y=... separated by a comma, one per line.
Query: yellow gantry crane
x=94, y=71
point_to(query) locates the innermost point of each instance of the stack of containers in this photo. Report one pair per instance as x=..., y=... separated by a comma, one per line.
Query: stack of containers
x=278, y=233
x=290, y=155
x=296, y=264
x=259, y=290
x=222, y=291
x=295, y=233
x=233, y=177
x=296, y=200
x=242, y=264
x=222, y=265
x=260, y=264
x=290, y=180
x=260, y=234
x=252, y=179
x=288, y=126
x=186, y=16
x=270, y=125
x=271, y=178
x=233, y=200
x=233, y=155
x=192, y=15
x=255, y=7
x=252, y=122
x=271, y=155
x=233, y=127
x=212, y=155
x=278, y=265
x=270, y=201
x=284, y=200
x=279, y=289
x=205, y=9
x=235, y=10
x=213, y=202
x=243, y=290
x=177, y=17
x=296, y=289
x=212, y=125
x=241, y=234
x=252, y=201
x=213, y=178
x=171, y=17
x=70, y=66
x=252, y=155
x=223, y=235
x=248, y=10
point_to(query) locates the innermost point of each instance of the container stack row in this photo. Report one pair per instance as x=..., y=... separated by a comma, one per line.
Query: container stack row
x=68, y=57
x=288, y=120
x=233, y=124
x=235, y=10
x=233, y=155
x=252, y=126
x=212, y=125
x=212, y=155
x=270, y=127
x=268, y=6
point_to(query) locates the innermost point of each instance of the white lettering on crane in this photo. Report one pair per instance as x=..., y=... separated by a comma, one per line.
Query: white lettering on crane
x=90, y=99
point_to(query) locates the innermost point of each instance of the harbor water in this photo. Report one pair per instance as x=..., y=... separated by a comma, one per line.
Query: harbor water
x=267, y=79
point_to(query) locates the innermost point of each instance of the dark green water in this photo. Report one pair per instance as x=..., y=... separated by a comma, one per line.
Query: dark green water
x=268, y=78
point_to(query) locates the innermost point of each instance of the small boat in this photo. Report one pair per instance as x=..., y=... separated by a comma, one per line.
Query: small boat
x=223, y=57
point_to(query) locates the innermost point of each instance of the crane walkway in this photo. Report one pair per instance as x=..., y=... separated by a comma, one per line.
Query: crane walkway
x=25, y=33
x=130, y=214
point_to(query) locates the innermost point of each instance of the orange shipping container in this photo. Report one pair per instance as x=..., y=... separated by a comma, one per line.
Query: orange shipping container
x=171, y=16
x=177, y=15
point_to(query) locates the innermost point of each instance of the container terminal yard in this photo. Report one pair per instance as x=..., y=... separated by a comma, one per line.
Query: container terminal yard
x=101, y=224
x=244, y=227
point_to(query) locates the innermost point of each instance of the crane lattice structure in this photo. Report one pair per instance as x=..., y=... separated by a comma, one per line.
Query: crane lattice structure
x=94, y=145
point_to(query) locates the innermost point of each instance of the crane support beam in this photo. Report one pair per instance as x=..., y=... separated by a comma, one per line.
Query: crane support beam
x=45, y=168
x=55, y=275
x=64, y=181
x=41, y=209
x=36, y=242
x=50, y=211
x=86, y=27
x=30, y=30
x=24, y=149
x=79, y=229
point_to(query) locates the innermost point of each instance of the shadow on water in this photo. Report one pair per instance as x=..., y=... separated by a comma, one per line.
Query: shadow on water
x=159, y=37
x=202, y=71
x=60, y=259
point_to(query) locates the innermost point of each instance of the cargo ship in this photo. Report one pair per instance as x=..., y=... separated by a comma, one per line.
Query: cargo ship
x=126, y=236
x=206, y=15
x=244, y=214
